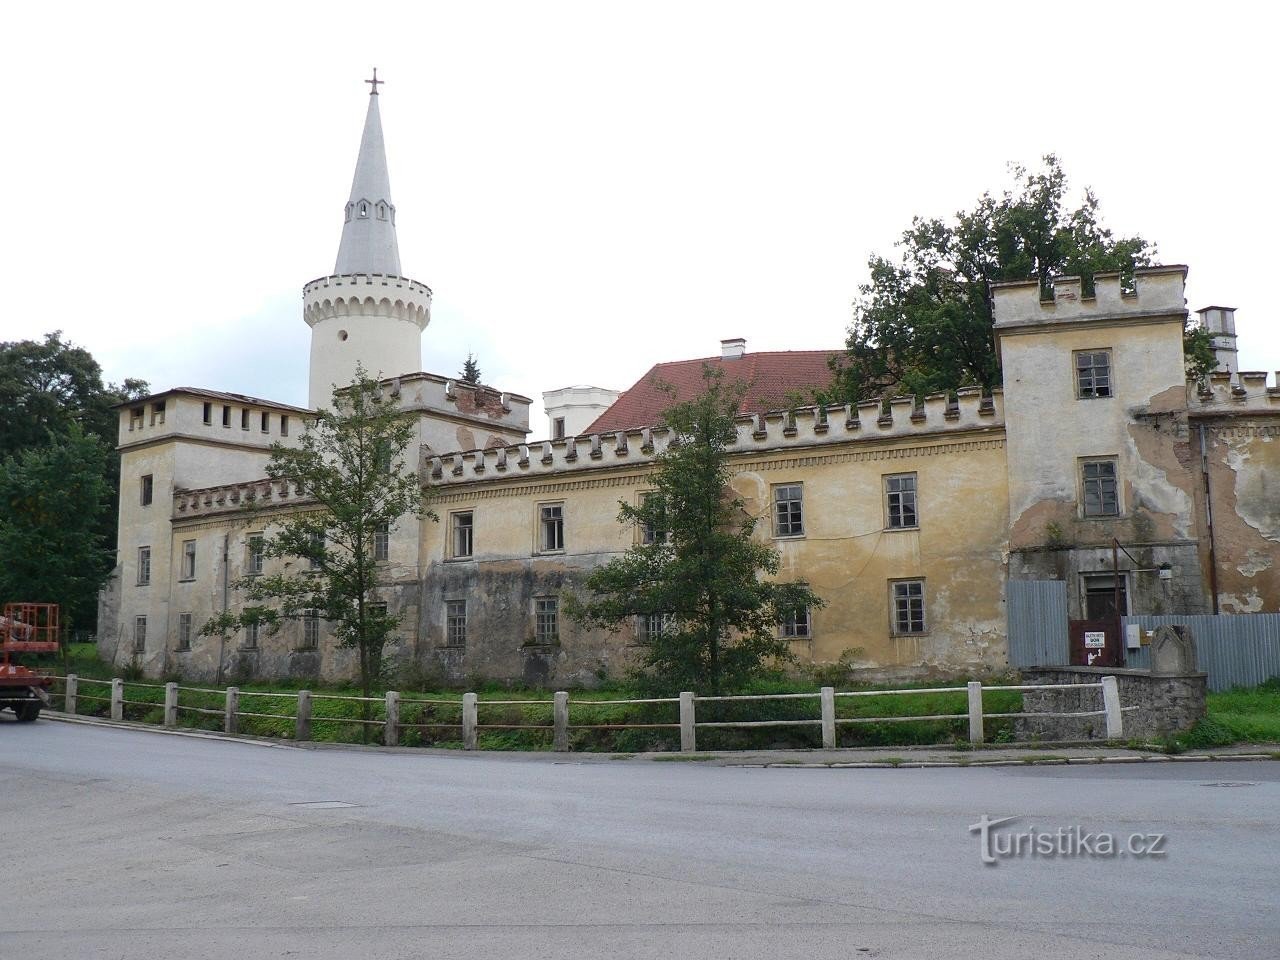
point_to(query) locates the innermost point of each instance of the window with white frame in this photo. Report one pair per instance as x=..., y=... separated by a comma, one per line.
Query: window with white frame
x=146, y=489
x=257, y=554
x=315, y=561
x=546, y=620
x=1099, y=490
x=908, y=606
x=188, y=560
x=788, y=510
x=1093, y=373
x=310, y=629
x=651, y=626
x=550, y=527
x=557, y=428
x=144, y=566
x=462, y=531
x=184, y=631
x=381, y=542
x=455, y=623
x=650, y=529
x=795, y=624
x=900, y=502
x=139, y=634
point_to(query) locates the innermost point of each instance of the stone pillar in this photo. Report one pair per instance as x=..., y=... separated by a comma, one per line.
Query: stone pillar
x=230, y=716
x=391, y=732
x=560, y=721
x=976, y=732
x=1111, y=704
x=70, y=692
x=117, y=699
x=470, y=715
x=170, y=704
x=828, y=718
x=302, y=729
x=688, y=728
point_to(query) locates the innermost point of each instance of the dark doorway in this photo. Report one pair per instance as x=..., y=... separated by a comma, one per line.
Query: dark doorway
x=1100, y=597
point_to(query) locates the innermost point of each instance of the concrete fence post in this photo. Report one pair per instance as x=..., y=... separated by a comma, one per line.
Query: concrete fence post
x=977, y=732
x=70, y=693
x=391, y=732
x=302, y=727
x=470, y=712
x=117, y=699
x=230, y=717
x=688, y=730
x=170, y=704
x=828, y=718
x=1111, y=704
x=560, y=721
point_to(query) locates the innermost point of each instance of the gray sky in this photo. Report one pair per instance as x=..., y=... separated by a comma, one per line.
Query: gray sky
x=590, y=188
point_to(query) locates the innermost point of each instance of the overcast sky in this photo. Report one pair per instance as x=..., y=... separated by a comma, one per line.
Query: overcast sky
x=590, y=188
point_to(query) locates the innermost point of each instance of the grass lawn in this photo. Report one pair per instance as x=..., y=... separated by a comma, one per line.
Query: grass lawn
x=1238, y=716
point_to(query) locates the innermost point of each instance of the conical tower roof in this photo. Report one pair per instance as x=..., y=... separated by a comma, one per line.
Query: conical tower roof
x=369, y=233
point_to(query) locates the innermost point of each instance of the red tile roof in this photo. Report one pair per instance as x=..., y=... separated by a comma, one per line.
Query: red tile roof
x=769, y=377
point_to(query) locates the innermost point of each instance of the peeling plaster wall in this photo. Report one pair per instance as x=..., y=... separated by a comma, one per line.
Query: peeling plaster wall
x=1244, y=476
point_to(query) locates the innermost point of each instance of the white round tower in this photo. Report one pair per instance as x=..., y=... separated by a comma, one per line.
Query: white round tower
x=365, y=313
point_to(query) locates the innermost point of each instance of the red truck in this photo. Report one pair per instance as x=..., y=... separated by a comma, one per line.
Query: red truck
x=26, y=628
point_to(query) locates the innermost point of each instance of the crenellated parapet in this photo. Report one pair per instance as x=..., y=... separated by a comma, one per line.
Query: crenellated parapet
x=1228, y=394
x=900, y=419
x=1157, y=292
x=367, y=295
x=234, y=497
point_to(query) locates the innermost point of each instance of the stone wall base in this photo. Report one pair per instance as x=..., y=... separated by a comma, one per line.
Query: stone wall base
x=1166, y=704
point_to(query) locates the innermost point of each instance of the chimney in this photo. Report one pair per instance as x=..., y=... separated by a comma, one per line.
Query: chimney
x=733, y=348
x=1221, y=324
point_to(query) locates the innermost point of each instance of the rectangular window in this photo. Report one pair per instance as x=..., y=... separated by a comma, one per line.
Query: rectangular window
x=252, y=633
x=788, y=510
x=550, y=527
x=244, y=418
x=795, y=625
x=900, y=502
x=265, y=421
x=184, y=631
x=317, y=545
x=1098, y=483
x=139, y=634
x=157, y=412
x=461, y=538
x=207, y=413
x=226, y=415
x=310, y=630
x=256, y=554
x=651, y=626
x=1100, y=596
x=908, y=607
x=557, y=428
x=651, y=530
x=144, y=566
x=146, y=490
x=455, y=623
x=381, y=542
x=546, y=620
x=188, y=560
x=284, y=425
x=1093, y=373
x=135, y=417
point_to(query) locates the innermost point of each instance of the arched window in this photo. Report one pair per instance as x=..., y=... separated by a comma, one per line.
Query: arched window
x=364, y=209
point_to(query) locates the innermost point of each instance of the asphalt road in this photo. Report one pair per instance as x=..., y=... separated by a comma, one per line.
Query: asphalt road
x=130, y=844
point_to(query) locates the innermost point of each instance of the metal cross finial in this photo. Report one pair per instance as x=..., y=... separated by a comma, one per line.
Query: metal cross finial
x=373, y=84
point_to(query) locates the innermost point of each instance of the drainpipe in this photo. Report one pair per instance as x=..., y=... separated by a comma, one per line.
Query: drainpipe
x=1208, y=515
x=226, y=563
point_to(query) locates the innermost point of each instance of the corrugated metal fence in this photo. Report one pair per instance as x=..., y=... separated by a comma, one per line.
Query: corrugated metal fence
x=1037, y=623
x=1241, y=650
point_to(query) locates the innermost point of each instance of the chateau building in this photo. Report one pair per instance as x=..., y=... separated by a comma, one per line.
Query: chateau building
x=910, y=519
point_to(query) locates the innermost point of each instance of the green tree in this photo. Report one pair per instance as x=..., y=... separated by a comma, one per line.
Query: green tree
x=923, y=322
x=698, y=571
x=52, y=548
x=350, y=462
x=470, y=370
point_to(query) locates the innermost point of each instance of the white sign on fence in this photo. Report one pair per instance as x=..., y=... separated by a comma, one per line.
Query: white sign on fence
x=1095, y=639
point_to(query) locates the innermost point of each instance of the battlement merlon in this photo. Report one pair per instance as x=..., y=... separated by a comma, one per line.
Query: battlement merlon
x=1223, y=393
x=902, y=420
x=1159, y=293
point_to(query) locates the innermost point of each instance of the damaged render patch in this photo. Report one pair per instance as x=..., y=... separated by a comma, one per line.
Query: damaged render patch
x=1255, y=562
